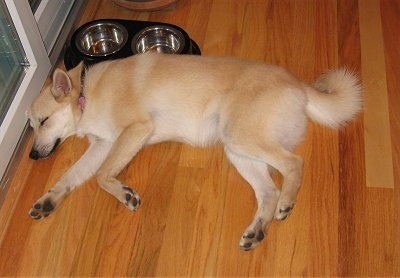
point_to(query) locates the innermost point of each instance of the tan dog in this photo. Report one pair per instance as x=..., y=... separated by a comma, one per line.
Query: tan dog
x=257, y=111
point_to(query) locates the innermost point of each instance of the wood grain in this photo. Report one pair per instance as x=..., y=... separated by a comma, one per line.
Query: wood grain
x=195, y=206
x=378, y=146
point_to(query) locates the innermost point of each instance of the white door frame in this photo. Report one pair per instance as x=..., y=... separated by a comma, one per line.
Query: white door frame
x=15, y=119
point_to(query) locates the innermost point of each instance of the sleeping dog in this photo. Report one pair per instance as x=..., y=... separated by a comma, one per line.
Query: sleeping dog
x=258, y=112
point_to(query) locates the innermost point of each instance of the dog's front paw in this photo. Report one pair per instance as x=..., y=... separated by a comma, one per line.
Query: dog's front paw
x=132, y=199
x=42, y=209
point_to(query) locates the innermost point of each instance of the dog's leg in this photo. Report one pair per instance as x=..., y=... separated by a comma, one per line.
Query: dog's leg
x=287, y=163
x=124, y=149
x=82, y=170
x=291, y=168
x=257, y=175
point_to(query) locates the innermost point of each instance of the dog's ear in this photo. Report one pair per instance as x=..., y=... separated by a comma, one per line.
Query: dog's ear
x=61, y=85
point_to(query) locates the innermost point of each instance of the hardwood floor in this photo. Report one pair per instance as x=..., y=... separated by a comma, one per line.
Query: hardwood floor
x=195, y=206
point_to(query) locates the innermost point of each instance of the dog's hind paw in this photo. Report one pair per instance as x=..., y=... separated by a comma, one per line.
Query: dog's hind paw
x=251, y=239
x=253, y=236
x=41, y=210
x=282, y=212
x=132, y=199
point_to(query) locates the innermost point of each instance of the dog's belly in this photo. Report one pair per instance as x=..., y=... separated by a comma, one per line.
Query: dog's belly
x=196, y=132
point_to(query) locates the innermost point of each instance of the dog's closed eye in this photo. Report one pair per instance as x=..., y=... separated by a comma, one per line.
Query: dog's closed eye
x=43, y=121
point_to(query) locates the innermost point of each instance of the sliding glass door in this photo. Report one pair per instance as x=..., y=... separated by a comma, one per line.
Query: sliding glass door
x=24, y=65
x=13, y=61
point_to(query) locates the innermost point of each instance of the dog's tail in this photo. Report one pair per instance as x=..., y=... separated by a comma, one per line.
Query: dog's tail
x=335, y=99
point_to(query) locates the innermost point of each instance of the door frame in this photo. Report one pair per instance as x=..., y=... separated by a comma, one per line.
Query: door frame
x=35, y=75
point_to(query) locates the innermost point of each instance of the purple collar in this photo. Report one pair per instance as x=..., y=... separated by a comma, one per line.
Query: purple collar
x=82, y=98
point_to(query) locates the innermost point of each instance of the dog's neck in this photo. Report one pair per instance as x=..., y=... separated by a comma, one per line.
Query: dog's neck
x=82, y=98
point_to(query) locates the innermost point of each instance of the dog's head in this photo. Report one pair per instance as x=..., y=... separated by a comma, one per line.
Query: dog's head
x=51, y=115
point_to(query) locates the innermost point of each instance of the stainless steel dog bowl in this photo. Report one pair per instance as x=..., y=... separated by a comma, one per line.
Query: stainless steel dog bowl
x=161, y=38
x=101, y=39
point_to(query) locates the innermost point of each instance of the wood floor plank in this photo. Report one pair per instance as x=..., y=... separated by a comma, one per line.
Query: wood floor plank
x=374, y=224
x=322, y=153
x=237, y=215
x=125, y=224
x=351, y=149
x=197, y=20
x=207, y=234
x=179, y=236
x=390, y=25
x=155, y=208
x=16, y=184
x=228, y=26
x=250, y=44
x=378, y=145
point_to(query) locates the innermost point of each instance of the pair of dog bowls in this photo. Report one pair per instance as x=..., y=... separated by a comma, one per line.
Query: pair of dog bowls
x=106, y=39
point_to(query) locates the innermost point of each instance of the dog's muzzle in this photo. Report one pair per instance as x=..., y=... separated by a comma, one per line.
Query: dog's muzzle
x=38, y=154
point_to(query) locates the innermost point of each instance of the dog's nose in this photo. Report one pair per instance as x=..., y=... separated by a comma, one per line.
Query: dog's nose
x=34, y=154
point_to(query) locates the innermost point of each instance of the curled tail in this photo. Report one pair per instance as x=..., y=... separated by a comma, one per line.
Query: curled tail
x=335, y=99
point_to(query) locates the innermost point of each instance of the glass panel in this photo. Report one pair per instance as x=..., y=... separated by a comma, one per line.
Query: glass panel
x=34, y=4
x=13, y=61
